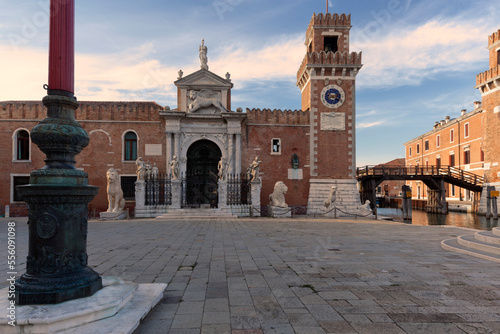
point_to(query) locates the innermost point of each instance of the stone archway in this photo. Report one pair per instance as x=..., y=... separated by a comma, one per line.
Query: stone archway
x=201, y=173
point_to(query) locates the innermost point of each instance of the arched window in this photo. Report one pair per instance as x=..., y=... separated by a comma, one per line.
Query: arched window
x=23, y=145
x=130, y=146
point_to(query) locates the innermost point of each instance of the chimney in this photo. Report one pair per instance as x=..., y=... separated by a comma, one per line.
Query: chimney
x=447, y=119
x=464, y=111
x=436, y=124
x=442, y=122
x=477, y=104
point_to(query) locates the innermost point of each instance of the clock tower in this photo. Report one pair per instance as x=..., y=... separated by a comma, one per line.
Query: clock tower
x=327, y=80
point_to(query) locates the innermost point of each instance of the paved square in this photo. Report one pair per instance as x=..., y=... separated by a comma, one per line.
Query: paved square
x=294, y=275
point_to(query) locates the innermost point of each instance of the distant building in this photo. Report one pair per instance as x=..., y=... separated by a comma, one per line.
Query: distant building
x=453, y=142
x=470, y=142
x=391, y=188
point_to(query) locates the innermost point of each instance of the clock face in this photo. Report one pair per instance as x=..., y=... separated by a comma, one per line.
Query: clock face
x=332, y=96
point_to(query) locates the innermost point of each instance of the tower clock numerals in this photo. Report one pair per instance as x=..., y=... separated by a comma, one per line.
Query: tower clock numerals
x=332, y=96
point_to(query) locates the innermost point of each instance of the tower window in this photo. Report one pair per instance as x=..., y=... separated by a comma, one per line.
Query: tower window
x=276, y=146
x=23, y=145
x=331, y=43
x=130, y=152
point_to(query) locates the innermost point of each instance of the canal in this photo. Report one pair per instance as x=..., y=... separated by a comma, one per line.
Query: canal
x=458, y=219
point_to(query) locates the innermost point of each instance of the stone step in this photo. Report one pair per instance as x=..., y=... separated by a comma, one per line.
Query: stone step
x=453, y=246
x=195, y=213
x=488, y=237
x=470, y=241
x=496, y=231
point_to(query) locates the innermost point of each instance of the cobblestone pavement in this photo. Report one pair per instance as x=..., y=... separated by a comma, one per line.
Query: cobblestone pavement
x=250, y=276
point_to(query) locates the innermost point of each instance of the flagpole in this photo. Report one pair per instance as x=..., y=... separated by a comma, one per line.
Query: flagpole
x=327, y=6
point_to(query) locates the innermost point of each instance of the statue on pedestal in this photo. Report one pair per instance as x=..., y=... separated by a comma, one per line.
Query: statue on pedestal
x=174, y=168
x=254, y=169
x=116, y=202
x=141, y=169
x=155, y=172
x=277, y=198
x=203, y=55
x=222, y=166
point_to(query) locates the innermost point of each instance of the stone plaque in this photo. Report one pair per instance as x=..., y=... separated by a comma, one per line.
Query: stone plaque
x=153, y=149
x=295, y=174
x=333, y=121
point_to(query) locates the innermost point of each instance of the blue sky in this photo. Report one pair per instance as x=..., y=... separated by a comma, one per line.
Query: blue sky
x=420, y=56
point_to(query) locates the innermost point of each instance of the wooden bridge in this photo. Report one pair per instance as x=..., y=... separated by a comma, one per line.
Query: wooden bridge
x=434, y=177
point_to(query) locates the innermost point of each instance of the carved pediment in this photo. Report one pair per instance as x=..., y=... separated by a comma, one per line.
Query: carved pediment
x=204, y=79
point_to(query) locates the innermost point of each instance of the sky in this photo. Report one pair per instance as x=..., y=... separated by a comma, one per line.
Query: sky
x=420, y=57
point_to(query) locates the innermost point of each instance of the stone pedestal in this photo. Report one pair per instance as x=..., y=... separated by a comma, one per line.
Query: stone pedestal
x=114, y=215
x=117, y=308
x=278, y=212
x=140, y=195
x=58, y=197
x=176, y=194
x=222, y=193
x=256, y=187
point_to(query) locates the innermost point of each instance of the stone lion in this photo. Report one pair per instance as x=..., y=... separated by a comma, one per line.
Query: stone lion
x=277, y=198
x=204, y=99
x=116, y=202
x=331, y=198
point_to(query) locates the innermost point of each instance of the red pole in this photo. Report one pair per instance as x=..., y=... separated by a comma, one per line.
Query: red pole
x=327, y=6
x=62, y=45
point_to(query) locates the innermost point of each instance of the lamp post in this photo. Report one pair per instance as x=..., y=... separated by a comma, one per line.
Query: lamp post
x=58, y=194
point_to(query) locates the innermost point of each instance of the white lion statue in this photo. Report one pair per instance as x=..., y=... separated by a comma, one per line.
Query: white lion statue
x=331, y=198
x=365, y=209
x=116, y=202
x=204, y=99
x=277, y=198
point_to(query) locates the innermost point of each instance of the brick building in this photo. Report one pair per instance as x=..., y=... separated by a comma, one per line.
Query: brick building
x=320, y=138
x=453, y=142
x=391, y=188
x=469, y=142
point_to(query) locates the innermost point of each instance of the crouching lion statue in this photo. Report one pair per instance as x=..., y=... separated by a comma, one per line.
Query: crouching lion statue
x=277, y=198
x=116, y=202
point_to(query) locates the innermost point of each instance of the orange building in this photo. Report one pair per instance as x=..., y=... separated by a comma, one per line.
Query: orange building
x=453, y=142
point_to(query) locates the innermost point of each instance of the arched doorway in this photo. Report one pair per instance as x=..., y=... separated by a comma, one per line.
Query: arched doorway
x=201, y=173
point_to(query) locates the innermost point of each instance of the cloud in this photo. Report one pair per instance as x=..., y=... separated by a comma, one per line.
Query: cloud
x=368, y=125
x=134, y=74
x=408, y=55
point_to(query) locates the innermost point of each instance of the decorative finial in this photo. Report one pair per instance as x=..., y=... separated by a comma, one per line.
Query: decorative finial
x=228, y=76
x=180, y=74
x=203, y=55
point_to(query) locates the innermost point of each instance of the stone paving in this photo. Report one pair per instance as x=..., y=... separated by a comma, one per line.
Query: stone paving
x=250, y=276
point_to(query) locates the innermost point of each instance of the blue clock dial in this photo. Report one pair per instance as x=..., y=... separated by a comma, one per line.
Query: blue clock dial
x=332, y=96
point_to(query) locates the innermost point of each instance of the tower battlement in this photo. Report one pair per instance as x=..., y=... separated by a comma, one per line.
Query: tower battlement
x=494, y=38
x=330, y=19
x=277, y=116
x=486, y=76
x=329, y=58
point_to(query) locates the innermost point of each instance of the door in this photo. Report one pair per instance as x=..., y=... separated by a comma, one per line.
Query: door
x=201, y=174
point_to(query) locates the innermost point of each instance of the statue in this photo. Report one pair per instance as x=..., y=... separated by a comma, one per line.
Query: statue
x=331, y=198
x=116, y=202
x=155, y=172
x=148, y=170
x=203, y=55
x=141, y=169
x=222, y=169
x=365, y=209
x=228, y=76
x=253, y=170
x=174, y=168
x=204, y=99
x=277, y=198
x=180, y=73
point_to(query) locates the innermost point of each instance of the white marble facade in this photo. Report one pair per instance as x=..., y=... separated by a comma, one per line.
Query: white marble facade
x=203, y=113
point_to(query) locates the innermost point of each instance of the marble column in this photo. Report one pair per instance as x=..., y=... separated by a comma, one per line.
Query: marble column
x=230, y=154
x=168, y=152
x=238, y=154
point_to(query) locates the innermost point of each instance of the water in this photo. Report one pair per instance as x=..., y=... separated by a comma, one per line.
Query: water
x=458, y=219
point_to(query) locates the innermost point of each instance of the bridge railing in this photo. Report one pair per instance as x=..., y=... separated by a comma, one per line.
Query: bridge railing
x=450, y=171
